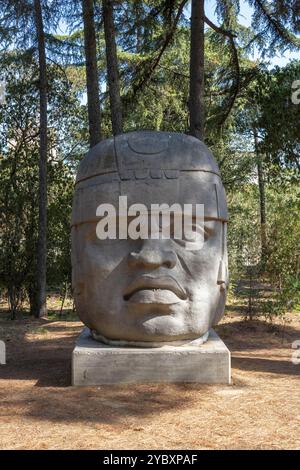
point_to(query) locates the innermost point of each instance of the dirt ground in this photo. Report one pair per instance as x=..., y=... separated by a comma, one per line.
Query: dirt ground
x=39, y=409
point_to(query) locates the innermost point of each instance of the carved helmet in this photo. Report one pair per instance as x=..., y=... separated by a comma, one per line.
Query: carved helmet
x=144, y=155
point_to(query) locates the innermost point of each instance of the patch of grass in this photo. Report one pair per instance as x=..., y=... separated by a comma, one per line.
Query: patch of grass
x=66, y=315
x=39, y=330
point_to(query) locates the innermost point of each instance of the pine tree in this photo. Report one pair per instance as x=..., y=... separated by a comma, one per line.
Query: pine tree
x=196, y=98
x=92, y=77
x=41, y=305
x=112, y=67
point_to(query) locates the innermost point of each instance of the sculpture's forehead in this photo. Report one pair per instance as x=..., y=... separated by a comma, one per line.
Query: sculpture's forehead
x=189, y=188
x=149, y=168
x=147, y=154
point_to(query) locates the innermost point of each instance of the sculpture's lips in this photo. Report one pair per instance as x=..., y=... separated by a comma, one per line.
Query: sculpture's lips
x=148, y=283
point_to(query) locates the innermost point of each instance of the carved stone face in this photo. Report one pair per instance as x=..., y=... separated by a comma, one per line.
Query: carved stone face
x=149, y=290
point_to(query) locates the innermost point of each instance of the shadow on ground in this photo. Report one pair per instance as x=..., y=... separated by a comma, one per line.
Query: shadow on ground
x=46, y=358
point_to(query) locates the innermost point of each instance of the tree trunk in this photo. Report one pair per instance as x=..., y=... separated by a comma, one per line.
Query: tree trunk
x=262, y=197
x=41, y=306
x=64, y=298
x=196, y=99
x=112, y=67
x=92, y=79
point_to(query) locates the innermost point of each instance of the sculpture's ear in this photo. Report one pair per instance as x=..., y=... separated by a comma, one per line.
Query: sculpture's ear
x=222, y=274
x=223, y=266
x=222, y=281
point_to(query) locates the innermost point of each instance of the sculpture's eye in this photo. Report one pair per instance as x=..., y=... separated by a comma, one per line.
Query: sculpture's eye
x=208, y=232
x=91, y=235
x=194, y=236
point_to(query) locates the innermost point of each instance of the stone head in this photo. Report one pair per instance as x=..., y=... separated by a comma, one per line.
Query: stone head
x=148, y=291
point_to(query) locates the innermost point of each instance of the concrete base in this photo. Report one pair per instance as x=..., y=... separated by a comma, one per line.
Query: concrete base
x=94, y=363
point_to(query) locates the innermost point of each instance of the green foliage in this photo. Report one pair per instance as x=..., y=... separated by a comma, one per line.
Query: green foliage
x=243, y=229
x=19, y=151
x=279, y=121
x=283, y=264
x=281, y=271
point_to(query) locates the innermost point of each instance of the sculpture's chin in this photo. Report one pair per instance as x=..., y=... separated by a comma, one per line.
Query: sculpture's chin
x=150, y=326
x=197, y=341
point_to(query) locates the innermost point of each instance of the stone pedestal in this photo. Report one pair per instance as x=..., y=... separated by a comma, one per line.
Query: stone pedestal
x=94, y=363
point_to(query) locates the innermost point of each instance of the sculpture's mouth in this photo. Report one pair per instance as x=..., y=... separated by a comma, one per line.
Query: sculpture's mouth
x=147, y=289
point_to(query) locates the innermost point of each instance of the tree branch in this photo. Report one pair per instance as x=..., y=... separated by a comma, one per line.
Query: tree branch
x=280, y=30
x=235, y=58
x=169, y=36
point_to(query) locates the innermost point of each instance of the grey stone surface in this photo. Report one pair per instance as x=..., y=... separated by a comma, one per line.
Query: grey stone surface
x=95, y=363
x=143, y=291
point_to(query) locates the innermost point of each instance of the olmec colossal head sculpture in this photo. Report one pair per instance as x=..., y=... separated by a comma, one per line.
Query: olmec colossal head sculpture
x=148, y=291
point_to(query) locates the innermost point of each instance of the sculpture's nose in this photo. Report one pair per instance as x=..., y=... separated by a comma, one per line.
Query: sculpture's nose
x=152, y=255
